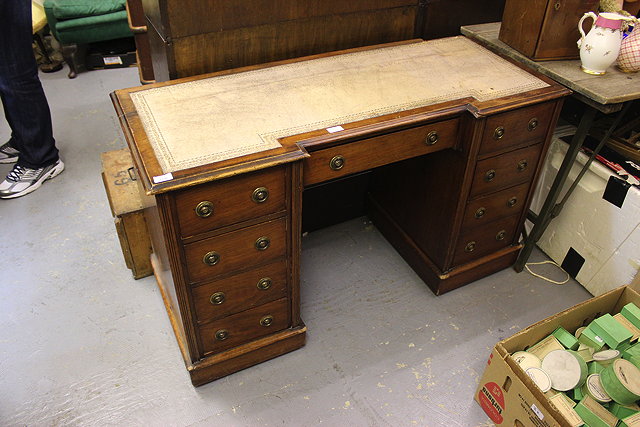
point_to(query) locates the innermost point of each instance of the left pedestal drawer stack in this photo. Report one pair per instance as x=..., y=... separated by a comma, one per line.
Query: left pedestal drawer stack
x=232, y=242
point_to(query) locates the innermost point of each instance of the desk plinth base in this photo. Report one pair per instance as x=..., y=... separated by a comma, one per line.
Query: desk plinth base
x=439, y=282
x=222, y=364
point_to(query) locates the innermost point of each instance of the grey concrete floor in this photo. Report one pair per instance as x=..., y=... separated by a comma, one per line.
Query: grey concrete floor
x=83, y=343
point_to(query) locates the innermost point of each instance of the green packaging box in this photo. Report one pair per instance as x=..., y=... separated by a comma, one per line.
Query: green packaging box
x=631, y=312
x=610, y=330
x=566, y=339
x=590, y=338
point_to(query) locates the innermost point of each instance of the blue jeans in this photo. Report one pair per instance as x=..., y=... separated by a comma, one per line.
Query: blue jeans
x=23, y=99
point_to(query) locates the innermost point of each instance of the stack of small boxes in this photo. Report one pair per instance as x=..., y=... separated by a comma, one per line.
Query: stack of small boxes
x=593, y=375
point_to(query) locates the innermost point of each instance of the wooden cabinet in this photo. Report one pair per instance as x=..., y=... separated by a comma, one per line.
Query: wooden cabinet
x=453, y=154
x=201, y=36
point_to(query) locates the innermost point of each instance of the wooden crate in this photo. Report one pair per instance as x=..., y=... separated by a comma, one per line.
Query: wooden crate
x=544, y=29
x=127, y=208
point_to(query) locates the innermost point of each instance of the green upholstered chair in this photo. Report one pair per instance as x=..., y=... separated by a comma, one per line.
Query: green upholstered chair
x=76, y=23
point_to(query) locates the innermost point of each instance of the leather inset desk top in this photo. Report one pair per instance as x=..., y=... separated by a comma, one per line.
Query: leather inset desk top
x=204, y=121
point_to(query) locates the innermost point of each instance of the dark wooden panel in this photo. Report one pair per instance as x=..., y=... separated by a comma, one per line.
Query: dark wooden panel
x=245, y=326
x=237, y=250
x=186, y=17
x=222, y=50
x=544, y=29
x=240, y=292
x=231, y=201
x=443, y=18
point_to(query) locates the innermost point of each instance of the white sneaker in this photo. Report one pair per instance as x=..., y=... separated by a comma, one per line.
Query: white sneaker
x=8, y=154
x=22, y=180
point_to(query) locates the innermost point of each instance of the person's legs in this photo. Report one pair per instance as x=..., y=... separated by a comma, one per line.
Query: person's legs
x=24, y=102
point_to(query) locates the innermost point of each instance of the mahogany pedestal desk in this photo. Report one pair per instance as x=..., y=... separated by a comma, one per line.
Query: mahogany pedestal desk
x=452, y=133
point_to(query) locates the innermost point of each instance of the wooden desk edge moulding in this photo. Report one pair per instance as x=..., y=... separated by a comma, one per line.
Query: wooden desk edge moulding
x=226, y=234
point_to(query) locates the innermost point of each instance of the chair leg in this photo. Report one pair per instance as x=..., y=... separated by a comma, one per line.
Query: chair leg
x=49, y=65
x=74, y=57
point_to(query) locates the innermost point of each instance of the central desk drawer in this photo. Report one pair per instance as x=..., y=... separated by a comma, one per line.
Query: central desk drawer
x=496, y=173
x=358, y=156
x=231, y=200
x=237, y=250
x=240, y=328
x=240, y=292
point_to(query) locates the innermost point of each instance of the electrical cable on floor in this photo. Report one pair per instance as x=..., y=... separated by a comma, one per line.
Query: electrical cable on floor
x=546, y=278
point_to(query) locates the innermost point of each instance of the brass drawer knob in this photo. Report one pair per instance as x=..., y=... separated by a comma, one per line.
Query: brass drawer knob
x=490, y=175
x=264, y=283
x=217, y=298
x=498, y=133
x=512, y=202
x=533, y=123
x=471, y=246
x=432, y=138
x=266, y=321
x=501, y=235
x=204, y=209
x=262, y=243
x=211, y=258
x=522, y=165
x=222, y=334
x=480, y=213
x=260, y=195
x=337, y=163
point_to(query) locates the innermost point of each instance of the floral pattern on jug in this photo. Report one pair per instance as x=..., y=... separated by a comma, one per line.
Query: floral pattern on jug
x=599, y=48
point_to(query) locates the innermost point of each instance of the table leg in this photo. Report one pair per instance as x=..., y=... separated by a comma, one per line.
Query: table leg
x=544, y=217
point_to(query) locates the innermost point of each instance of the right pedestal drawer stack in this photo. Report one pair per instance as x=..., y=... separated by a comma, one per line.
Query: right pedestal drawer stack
x=508, y=157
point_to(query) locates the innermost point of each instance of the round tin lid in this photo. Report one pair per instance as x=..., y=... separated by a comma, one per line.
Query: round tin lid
x=540, y=378
x=564, y=369
x=526, y=360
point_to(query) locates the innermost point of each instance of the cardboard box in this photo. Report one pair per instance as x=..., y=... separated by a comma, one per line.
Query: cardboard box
x=596, y=237
x=127, y=209
x=507, y=394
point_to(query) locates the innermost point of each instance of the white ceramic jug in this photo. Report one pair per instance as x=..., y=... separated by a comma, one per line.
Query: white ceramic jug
x=601, y=46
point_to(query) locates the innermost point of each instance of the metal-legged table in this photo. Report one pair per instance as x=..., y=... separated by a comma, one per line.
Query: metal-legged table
x=613, y=93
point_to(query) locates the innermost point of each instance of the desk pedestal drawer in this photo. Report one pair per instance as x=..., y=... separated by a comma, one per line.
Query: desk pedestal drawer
x=484, y=240
x=516, y=127
x=246, y=326
x=241, y=291
x=496, y=173
x=236, y=250
x=483, y=210
x=230, y=201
